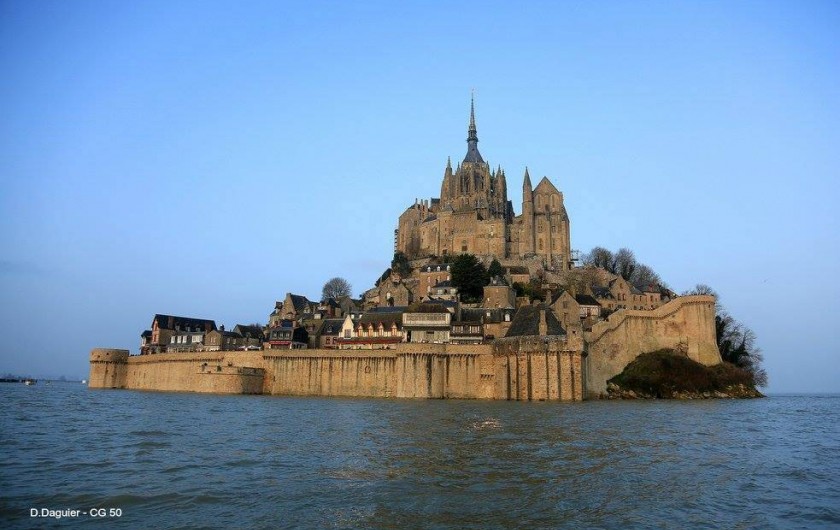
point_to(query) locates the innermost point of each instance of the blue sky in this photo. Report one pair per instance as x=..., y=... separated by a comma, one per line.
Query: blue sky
x=204, y=158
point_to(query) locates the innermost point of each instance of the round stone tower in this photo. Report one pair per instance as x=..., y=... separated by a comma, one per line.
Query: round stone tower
x=108, y=368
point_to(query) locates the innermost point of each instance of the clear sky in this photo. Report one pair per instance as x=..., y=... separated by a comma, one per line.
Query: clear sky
x=204, y=158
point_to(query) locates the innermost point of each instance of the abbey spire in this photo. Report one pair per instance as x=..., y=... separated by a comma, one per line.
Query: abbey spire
x=472, y=138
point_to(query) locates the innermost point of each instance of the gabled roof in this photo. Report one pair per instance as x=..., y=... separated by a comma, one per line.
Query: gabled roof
x=299, y=302
x=527, y=322
x=602, y=292
x=546, y=185
x=585, y=299
x=386, y=319
x=171, y=322
x=555, y=295
x=330, y=302
x=254, y=332
x=479, y=314
x=146, y=334
x=332, y=326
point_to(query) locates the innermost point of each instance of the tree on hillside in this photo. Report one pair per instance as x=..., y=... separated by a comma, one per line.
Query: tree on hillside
x=335, y=289
x=400, y=264
x=495, y=269
x=624, y=264
x=736, y=342
x=469, y=276
x=600, y=257
x=644, y=275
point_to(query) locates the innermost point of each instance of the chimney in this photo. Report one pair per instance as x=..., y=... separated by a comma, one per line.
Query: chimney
x=222, y=327
x=543, y=330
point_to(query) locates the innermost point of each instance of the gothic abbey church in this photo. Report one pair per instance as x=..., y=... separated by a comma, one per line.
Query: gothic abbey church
x=474, y=215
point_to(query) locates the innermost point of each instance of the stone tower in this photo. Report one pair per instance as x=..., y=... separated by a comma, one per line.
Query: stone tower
x=473, y=188
x=527, y=237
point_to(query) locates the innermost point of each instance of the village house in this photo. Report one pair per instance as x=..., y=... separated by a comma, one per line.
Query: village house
x=517, y=274
x=329, y=333
x=536, y=319
x=431, y=275
x=494, y=321
x=575, y=310
x=287, y=336
x=374, y=330
x=499, y=294
x=443, y=290
x=252, y=336
x=426, y=323
x=463, y=332
x=174, y=333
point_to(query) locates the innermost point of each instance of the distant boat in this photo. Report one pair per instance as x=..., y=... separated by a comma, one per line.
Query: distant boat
x=28, y=382
x=84, y=381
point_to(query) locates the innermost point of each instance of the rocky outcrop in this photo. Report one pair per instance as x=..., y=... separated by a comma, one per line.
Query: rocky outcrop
x=670, y=374
x=740, y=391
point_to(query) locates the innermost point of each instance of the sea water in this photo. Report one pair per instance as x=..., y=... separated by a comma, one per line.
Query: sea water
x=71, y=457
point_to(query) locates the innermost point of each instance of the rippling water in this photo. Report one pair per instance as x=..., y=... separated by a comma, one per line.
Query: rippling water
x=187, y=460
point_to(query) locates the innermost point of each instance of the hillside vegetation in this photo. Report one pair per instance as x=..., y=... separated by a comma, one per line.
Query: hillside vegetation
x=671, y=375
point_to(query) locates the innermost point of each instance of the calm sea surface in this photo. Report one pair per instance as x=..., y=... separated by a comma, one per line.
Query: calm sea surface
x=164, y=460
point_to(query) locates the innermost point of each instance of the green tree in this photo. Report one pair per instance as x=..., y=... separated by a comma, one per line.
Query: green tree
x=400, y=264
x=469, y=276
x=495, y=269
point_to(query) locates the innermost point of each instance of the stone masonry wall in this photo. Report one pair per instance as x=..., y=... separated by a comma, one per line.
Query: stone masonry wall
x=408, y=371
x=685, y=324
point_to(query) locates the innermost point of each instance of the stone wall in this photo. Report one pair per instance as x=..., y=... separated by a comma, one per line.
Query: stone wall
x=521, y=368
x=212, y=372
x=425, y=371
x=107, y=368
x=538, y=369
x=368, y=373
x=685, y=324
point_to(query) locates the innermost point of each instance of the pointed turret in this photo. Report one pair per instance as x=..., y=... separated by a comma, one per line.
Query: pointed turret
x=446, y=186
x=526, y=187
x=502, y=185
x=528, y=231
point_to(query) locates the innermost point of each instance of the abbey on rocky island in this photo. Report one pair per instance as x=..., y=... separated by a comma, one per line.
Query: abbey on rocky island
x=473, y=215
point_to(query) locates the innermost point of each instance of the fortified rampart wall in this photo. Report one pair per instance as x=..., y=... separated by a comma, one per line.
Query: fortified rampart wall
x=685, y=324
x=522, y=368
x=213, y=372
x=436, y=371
